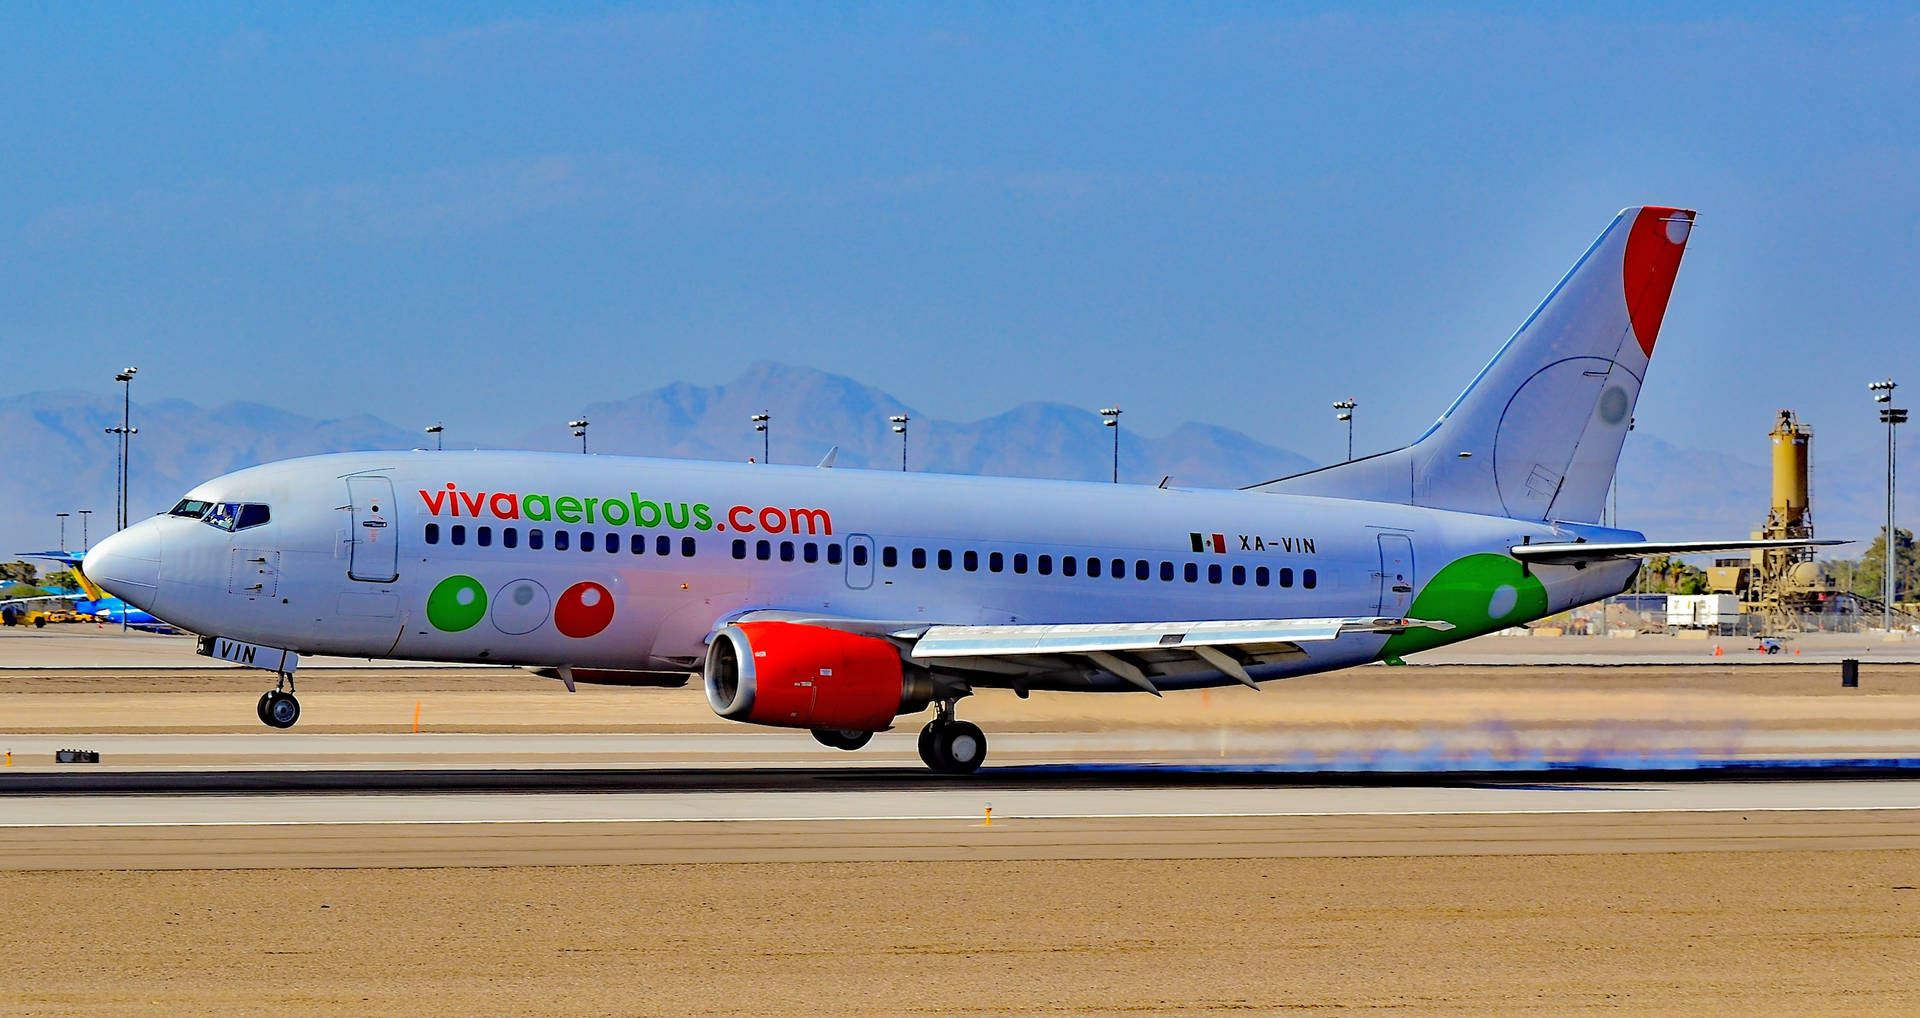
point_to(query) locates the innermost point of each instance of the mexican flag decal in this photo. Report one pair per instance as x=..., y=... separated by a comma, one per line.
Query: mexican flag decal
x=1216, y=543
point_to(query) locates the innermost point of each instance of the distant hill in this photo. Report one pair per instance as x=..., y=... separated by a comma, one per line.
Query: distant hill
x=813, y=411
x=57, y=458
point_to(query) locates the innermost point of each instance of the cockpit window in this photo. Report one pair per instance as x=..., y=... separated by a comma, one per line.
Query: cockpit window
x=235, y=515
x=191, y=508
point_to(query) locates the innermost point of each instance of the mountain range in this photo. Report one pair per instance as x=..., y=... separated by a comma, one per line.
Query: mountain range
x=57, y=457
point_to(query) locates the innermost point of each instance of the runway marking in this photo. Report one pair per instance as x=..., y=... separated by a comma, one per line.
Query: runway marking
x=968, y=816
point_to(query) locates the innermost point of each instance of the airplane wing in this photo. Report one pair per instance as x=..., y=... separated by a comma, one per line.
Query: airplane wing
x=1575, y=553
x=1134, y=651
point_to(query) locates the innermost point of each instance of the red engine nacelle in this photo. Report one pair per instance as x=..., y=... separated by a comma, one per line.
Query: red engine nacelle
x=799, y=676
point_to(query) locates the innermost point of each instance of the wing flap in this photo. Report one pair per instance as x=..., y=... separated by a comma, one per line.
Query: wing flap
x=1601, y=551
x=1279, y=635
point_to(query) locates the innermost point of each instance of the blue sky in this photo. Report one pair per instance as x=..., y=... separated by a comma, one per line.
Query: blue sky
x=493, y=214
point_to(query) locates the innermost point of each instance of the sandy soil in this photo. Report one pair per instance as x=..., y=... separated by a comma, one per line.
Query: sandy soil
x=1717, y=934
x=1534, y=929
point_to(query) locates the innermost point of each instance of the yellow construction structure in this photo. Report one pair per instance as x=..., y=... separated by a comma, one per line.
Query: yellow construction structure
x=1782, y=585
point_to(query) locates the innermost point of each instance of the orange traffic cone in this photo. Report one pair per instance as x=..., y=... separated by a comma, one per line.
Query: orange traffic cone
x=1717, y=652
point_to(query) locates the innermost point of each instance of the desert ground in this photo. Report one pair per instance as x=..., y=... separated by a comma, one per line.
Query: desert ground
x=1314, y=900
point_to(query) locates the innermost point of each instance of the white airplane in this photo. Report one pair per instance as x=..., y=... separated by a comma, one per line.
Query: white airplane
x=839, y=600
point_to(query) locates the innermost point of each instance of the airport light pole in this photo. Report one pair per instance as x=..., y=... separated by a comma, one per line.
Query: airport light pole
x=766, y=441
x=899, y=422
x=63, y=529
x=1345, y=408
x=1111, y=418
x=580, y=432
x=120, y=477
x=1891, y=416
x=126, y=431
x=84, y=543
x=435, y=431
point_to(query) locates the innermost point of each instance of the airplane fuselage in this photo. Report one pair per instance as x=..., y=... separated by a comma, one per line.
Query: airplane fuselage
x=608, y=562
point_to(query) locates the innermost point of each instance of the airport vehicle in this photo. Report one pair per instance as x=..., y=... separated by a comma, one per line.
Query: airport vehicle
x=14, y=612
x=839, y=600
x=96, y=605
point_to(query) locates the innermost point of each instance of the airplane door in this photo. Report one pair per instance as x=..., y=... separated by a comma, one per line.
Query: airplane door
x=859, y=561
x=373, y=552
x=1396, y=575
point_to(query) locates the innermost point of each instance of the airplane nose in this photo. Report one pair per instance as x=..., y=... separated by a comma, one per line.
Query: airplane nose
x=127, y=564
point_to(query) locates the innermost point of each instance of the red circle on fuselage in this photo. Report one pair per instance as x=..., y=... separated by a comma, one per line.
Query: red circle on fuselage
x=583, y=610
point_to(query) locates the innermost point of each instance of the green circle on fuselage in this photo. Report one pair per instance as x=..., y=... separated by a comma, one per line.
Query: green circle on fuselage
x=457, y=603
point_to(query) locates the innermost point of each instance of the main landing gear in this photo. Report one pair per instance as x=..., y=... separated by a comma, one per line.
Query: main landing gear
x=278, y=707
x=952, y=746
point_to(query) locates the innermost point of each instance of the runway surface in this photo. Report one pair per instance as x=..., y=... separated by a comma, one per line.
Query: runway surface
x=686, y=816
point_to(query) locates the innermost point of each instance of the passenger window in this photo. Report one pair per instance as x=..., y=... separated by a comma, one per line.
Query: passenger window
x=1309, y=579
x=919, y=558
x=1239, y=576
x=811, y=553
x=1046, y=565
x=637, y=544
x=786, y=551
x=483, y=536
x=1142, y=570
x=739, y=548
x=1261, y=576
x=1020, y=562
x=1213, y=573
x=1068, y=565
x=996, y=562
x=1093, y=565
x=1192, y=573
x=251, y=515
x=510, y=537
x=663, y=546
x=1119, y=570
x=970, y=561
x=433, y=533
x=561, y=539
x=687, y=547
x=535, y=539
x=763, y=550
x=859, y=554
x=586, y=540
x=613, y=543
x=1166, y=572
x=1286, y=577
x=890, y=556
x=833, y=554
x=459, y=534
x=946, y=559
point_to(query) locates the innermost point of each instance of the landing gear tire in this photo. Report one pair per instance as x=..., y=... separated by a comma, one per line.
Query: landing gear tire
x=953, y=747
x=926, y=744
x=840, y=738
x=280, y=710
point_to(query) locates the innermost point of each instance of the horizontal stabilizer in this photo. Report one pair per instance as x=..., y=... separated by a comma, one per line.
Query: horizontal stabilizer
x=1596, y=551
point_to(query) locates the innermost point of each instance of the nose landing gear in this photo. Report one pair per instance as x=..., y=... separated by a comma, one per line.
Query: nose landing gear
x=278, y=708
x=952, y=746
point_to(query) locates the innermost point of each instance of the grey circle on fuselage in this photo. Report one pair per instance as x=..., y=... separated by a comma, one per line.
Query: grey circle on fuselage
x=521, y=606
